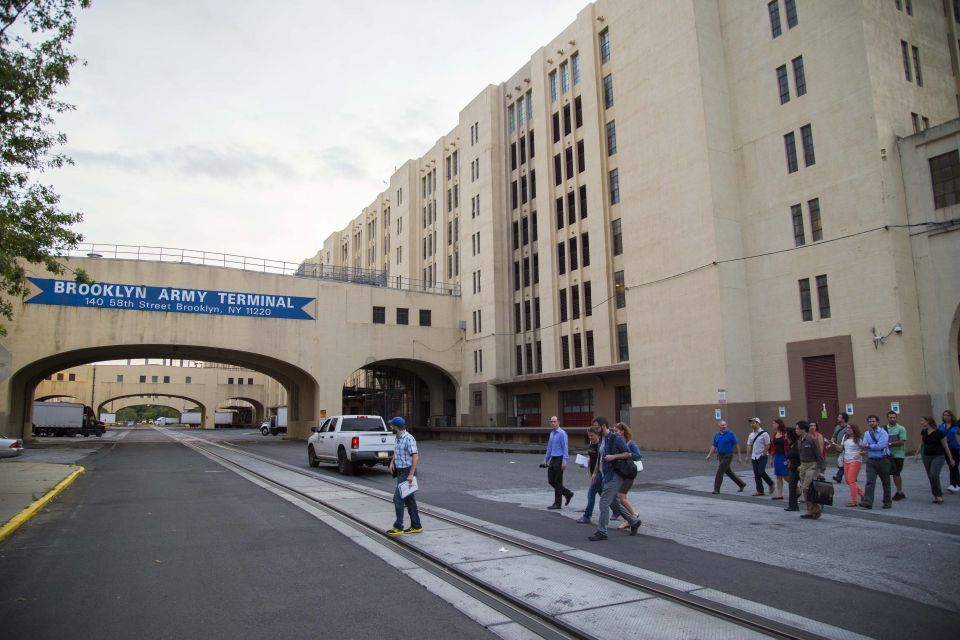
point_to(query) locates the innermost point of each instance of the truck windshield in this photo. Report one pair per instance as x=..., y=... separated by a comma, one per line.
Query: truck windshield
x=362, y=424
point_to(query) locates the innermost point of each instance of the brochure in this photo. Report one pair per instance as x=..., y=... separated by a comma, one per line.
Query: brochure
x=406, y=488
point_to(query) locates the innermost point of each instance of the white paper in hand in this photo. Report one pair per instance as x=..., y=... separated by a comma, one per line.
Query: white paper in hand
x=406, y=488
x=583, y=460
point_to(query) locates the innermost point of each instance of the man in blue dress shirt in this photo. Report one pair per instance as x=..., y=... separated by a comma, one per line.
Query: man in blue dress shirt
x=874, y=443
x=558, y=451
x=724, y=442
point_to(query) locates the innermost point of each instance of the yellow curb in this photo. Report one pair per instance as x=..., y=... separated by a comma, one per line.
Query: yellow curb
x=18, y=520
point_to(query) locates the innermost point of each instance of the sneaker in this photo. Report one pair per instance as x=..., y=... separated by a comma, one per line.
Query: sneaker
x=569, y=498
x=413, y=530
x=899, y=496
x=394, y=531
x=866, y=506
x=554, y=506
x=583, y=520
x=635, y=526
x=811, y=516
x=887, y=506
x=953, y=488
x=791, y=508
x=599, y=535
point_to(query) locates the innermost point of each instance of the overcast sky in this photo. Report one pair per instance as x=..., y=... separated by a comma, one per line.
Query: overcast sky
x=259, y=128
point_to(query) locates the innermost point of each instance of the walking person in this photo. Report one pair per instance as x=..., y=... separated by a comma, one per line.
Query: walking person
x=624, y=432
x=724, y=443
x=850, y=460
x=812, y=466
x=778, y=448
x=595, y=479
x=936, y=450
x=404, y=468
x=815, y=432
x=878, y=463
x=793, y=468
x=612, y=448
x=839, y=433
x=555, y=460
x=950, y=429
x=897, y=442
x=758, y=443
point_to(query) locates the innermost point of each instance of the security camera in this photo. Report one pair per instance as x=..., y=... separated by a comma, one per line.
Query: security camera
x=898, y=328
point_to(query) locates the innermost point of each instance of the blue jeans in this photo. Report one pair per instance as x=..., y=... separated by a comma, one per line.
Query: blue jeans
x=410, y=502
x=595, y=487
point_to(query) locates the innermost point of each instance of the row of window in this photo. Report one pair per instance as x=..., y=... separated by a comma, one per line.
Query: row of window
x=566, y=67
x=521, y=195
x=790, y=144
x=526, y=272
x=529, y=312
x=523, y=232
x=900, y=4
x=531, y=350
x=799, y=80
x=521, y=110
x=575, y=302
x=571, y=244
x=945, y=175
x=403, y=316
x=920, y=123
x=571, y=199
x=568, y=126
x=773, y=9
x=581, y=166
x=911, y=53
x=578, y=344
x=823, y=298
x=518, y=149
x=816, y=227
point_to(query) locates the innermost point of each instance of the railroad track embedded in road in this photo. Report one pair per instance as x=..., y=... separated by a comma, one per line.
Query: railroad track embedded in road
x=538, y=621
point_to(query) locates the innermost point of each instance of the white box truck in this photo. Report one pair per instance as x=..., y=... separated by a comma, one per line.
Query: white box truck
x=108, y=418
x=190, y=418
x=223, y=419
x=278, y=422
x=65, y=419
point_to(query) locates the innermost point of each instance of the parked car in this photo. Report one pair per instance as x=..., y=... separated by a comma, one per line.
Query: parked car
x=10, y=447
x=351, y=442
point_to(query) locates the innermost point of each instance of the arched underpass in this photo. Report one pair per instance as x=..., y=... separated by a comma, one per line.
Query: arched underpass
x=420, y=392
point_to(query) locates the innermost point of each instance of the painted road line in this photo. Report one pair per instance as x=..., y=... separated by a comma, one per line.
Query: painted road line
x=18, y=520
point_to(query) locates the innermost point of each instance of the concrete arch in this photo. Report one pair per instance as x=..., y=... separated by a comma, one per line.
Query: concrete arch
x=435, y=395
x=58, y=398
x=147, y=400
x=259, y=410
x=301, y=386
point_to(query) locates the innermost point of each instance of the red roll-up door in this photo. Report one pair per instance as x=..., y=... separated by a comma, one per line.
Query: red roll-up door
x=820, y=382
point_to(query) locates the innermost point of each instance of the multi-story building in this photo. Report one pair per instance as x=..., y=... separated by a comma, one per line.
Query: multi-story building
x=679, y=208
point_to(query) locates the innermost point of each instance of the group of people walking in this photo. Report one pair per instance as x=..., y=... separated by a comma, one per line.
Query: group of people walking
x=799, y=454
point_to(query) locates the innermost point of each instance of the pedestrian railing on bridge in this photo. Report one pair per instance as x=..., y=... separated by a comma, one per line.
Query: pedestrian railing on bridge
x=352, y=275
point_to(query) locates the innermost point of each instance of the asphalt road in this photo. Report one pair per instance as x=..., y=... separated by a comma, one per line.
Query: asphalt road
x=157, y=538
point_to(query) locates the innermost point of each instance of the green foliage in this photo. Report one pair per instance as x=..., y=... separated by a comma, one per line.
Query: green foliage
x=146, y=412
x=34, y=64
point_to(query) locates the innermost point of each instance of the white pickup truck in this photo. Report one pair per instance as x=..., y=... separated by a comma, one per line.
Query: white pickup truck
x=350, y=442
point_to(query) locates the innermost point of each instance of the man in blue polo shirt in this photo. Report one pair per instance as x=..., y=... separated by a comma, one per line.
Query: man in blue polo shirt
x=555, y=460
x=724, y=442
x=874, y=443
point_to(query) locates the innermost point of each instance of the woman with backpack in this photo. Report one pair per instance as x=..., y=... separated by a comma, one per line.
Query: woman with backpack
x=626, y=483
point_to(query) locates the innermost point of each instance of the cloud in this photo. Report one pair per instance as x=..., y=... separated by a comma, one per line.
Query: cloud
x=342, y=162
x=233, y=163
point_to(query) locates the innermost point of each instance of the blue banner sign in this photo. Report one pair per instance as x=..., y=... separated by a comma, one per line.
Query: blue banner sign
x=102, y=295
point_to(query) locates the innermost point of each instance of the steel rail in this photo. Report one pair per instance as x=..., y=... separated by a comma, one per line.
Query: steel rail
x=702, y=605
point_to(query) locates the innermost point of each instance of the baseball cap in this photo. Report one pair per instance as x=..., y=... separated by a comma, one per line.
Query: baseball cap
x=757, y=420
x=397, y=422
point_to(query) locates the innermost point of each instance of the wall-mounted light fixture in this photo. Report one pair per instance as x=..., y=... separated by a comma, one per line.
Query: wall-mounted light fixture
x=879, y=339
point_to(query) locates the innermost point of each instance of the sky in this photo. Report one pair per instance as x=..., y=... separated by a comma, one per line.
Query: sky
x=258, y=129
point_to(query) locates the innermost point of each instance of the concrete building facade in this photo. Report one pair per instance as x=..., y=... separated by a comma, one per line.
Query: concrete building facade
x=679, y=208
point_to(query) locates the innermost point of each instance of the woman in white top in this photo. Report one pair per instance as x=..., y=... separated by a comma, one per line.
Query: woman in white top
x=850, y=445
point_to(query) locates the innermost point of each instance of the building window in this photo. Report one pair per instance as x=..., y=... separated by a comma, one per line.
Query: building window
x=477, y=397
x=791, y=8
x=611, y=137
x=806, y=134
x=154, y=380
x=561, y=257
x=119, y=377
x=623, y=350
x=577, y=350
x=790, y=144
x=403, y=316
x=563, y=305
x=585, y=249
x=607, y=91
x=605, y=45
x=581, y=157
x=799, y=78
x=774, y=9
x=526, y=272
x=189, y=380
x=529, y=353
x=568, y=156
x=565, y=352
x=796, y=214
x=806, y=309
x=519, y=359
x=575, y=64
x=567, y=122
x=619, y=290
x=823, y=297
x=614, y=186
x=539, y=349
x=379, y=315
x=166, y=380
x=617, y=237
x=816, y=228
x=425, y=319
x=583, y=202
x=239, y=380
x=945, y=176
x=143, y=379
x=915, y=120
x=587, y=299
x=590, y=356
x=916, y=66
x=571, y=207
x=577, y=112
x=564, y=78
x=536, y=264
x=516, y=275
x=574, y=263
x=512, y=118
x=527, y=317
x=905, y=52
x=553, y=86
x=784, y=83
x=72, y=377
x=575, y=302
x=557, y=170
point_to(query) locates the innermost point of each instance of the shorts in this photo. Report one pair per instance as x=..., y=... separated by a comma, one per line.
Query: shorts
x=896, y=467
x=625, y=484
x=779, y=465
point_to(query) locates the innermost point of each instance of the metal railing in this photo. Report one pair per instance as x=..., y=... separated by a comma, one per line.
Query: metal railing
x=352, y=275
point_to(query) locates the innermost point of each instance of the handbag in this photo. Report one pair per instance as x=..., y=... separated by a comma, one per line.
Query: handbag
x=820, y=492
x=625, y=468
x=639, y=465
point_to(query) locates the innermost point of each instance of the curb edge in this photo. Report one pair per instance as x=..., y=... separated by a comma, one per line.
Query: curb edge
x=21, y=518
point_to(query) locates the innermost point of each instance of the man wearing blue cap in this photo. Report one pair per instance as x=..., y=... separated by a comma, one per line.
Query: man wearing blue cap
x=404, y=468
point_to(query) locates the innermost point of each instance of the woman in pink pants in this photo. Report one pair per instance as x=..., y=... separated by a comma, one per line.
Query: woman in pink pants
x=850, y=445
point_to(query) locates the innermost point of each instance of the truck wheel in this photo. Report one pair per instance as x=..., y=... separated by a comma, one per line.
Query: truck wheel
x=312, y=457
x=264, y=430
x=344, y=466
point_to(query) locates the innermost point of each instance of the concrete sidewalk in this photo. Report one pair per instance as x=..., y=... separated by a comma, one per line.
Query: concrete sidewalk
x=25, y=487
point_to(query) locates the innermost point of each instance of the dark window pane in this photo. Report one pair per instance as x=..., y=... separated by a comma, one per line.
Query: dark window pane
x=823, y=297
x=806, y=310
x=784, y=84
x=796, y=215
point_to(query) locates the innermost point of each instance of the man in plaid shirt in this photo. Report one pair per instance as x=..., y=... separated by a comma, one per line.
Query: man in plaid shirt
x=404, y=467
